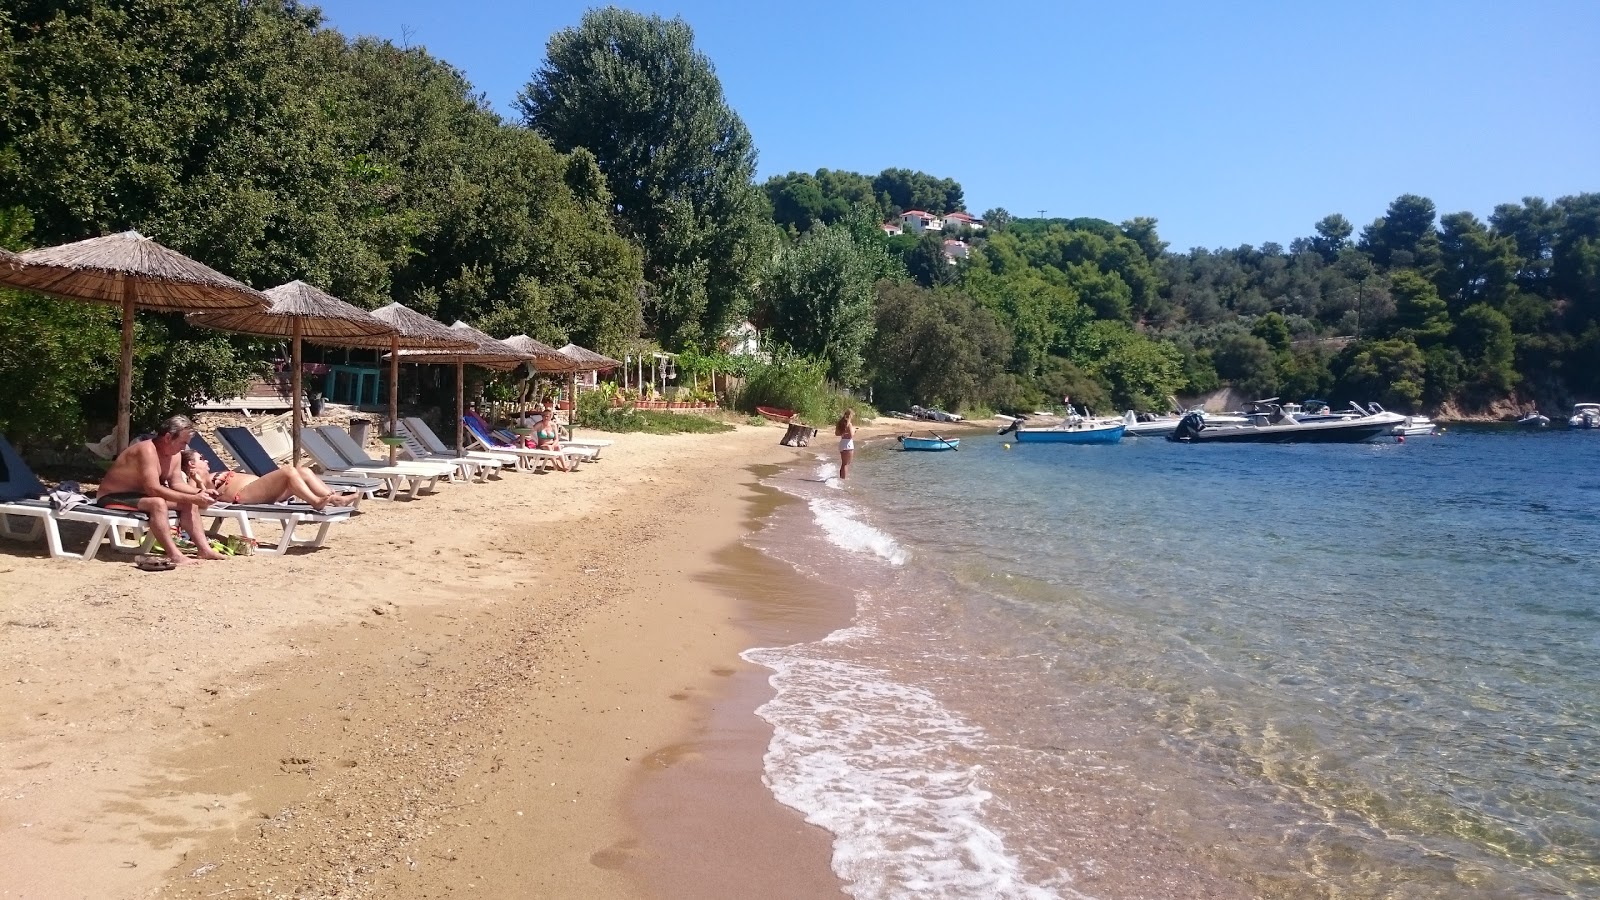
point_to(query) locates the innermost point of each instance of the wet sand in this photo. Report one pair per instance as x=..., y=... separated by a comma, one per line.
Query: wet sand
x=708, y=823
x=459, y=694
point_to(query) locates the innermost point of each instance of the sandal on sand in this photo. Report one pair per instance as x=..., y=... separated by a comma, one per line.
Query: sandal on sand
x=150, y=563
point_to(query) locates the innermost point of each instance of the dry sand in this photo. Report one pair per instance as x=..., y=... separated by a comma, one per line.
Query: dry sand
x=527, y=688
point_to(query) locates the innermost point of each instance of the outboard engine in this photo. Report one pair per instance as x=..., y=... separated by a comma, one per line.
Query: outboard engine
x=1015, y=424
x=1189, y=427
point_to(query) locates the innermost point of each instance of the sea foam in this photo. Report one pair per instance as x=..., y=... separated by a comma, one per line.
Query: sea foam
x=843, y=526
x=876, y=763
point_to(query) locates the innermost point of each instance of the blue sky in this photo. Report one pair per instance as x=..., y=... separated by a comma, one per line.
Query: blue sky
x=1230, y=123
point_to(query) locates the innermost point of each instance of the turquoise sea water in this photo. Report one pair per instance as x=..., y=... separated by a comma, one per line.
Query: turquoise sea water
x=1160, y=670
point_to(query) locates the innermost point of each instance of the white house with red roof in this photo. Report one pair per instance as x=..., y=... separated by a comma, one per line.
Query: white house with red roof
x=961, y=219
x=954, y=250
x=916, y=221
x=892, y=229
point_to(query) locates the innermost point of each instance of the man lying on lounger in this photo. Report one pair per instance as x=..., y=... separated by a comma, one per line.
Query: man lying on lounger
x=274, y=487
x=146, y=477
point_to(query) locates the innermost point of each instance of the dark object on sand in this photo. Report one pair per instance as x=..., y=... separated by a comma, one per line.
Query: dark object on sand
x=798, y=435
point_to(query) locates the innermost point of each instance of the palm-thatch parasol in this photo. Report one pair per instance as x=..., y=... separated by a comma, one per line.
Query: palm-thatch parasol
x=587, y=361
x=131, y=271
x=413, y=332
x=545, y=357
x=298, y=311
x=486, y=352
x=547, y=360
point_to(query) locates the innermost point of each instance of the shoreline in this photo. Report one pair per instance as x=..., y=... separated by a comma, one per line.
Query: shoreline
x=375, y=719
x=702, y=801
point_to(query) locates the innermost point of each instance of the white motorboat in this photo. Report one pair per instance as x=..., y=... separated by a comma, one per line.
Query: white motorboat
x=1585, y=415
x=1278, y=427
x=1533, y=420
x=1147, y=425
x=1416, y=425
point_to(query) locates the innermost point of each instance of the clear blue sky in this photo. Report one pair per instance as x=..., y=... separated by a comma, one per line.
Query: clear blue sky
x=1231, y=123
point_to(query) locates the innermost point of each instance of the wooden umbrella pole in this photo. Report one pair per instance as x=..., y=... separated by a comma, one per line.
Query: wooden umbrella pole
x=394, y=391
x=124, y=435
x=572, y=411
x=461, y=409
x=298, y=397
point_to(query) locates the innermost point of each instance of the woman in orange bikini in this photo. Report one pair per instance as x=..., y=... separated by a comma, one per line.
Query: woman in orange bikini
x=274, y=487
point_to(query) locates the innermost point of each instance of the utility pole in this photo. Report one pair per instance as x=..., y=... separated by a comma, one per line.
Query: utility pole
x=1042, y=212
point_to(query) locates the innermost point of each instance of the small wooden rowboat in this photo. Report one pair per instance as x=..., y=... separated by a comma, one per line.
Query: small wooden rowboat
x=776, y=414
x=907, y=442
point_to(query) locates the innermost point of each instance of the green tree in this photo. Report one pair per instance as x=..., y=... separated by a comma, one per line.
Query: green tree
x=1333, y=235
x=1273, y=329
x=1392, y=372
x=925, y=261
x=902, y=189
x=997, y=219
x=1419, y=313
x=1483, y=336
x=635, y=92
x=1404, y=237
x=1139, y=372
x=938, y=348
x=1476, y=264
x=819, y=300
x=1248, y=363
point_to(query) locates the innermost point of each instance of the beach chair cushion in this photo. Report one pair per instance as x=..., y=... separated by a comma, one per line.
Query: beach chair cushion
x=17, y=481
x=243, y=446
x=213, y=461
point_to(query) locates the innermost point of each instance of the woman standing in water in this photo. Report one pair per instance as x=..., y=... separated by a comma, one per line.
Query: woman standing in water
x=846, y=431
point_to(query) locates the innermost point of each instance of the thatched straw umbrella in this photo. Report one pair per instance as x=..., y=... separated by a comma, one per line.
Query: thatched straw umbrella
x=298, y=311
x=587, y=361
x=547, y=360
x=131, y=271
x=413, y=332
x=486, y=352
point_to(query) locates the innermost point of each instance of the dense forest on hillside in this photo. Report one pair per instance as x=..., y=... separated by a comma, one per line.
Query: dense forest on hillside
x=1415, y=311
x=622, y=207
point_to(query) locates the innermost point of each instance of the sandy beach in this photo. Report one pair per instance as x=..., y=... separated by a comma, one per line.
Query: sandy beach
x=527, y=688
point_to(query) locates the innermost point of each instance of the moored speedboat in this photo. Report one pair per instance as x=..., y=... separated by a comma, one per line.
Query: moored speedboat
x=1533, y=420
x=1075, y=430
x=1282, y=428
x=1147, y=425
x=1415, y=425
x=1585, y=415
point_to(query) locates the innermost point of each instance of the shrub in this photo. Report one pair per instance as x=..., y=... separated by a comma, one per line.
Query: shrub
x=798, y=383
x=627, y=419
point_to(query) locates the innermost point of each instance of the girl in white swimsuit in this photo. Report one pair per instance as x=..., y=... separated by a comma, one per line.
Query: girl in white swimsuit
x=846, y=432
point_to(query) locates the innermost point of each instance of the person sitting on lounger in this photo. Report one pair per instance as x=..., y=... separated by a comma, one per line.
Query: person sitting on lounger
x=146, y=477
x=274, y=487
x=547, y=435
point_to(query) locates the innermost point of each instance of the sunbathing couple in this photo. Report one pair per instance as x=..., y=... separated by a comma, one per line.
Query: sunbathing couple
x=161, y=475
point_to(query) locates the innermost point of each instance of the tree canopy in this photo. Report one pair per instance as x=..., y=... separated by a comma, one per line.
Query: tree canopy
x=633, y=91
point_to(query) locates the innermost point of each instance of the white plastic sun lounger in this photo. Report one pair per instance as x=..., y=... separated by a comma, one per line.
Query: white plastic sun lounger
x=329, y=459
x=573, y=450
x=289, y=517
x=419, y=431
x=250, y=451
x=25, y=514
x=528, y=455
x=122, y=530
x=470, y=466
x=357, y=456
